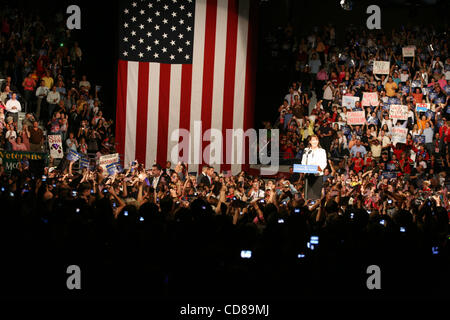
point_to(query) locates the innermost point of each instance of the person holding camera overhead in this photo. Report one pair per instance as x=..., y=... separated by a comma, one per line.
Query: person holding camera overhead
x=314, y=155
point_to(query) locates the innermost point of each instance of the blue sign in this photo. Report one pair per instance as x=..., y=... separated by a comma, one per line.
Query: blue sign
x=421, y=109
x=84, y=161
x=389, y=175
x=419, y=139
x=394, y=100
x=447, y=89
x=301, y=168
x=73, y=155
x=112, y=168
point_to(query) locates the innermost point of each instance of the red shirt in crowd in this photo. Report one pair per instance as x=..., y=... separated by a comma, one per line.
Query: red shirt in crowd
x=405, y=165
x=444, y=132
x=359, y=164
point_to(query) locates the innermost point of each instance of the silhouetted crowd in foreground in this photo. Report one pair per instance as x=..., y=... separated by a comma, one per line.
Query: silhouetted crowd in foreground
x=165, y=233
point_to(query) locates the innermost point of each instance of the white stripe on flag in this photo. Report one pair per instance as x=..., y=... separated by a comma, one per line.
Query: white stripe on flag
x=239, y=84
x=174, y=107
x=219, y=72
x=197, y=79
x=132, y=99
x=152, y=115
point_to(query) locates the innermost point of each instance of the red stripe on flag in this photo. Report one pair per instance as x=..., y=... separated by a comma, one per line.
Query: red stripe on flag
x=142, y=110
x=229, y=78
x=121, y=110
x=208, y=68
x=163, y=113
x=185, y=102
x=250, y=76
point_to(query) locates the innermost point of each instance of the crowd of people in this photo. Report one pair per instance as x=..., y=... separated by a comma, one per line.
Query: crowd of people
x=162, y=232
x=43, y=81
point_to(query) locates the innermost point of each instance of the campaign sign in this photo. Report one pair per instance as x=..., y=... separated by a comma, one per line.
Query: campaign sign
x=393, y=100
x=398, y=111
x=73, y=155
x=399, y=135
x=349, y=101
x=422, y=107
x=55, y=145
x=408, y=51
x=389, y=174
x=112, y=168
x=356, y=118
x=108, y=159
x=370, y=99
x=301, y=168
x=381, y=67
x=419, y=139
x=84, y=161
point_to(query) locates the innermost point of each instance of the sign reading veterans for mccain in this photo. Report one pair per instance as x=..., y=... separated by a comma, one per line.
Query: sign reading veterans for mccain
x=381, y=67
x=11, y=159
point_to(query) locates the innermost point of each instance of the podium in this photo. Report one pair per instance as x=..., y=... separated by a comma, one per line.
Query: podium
x=313, y=183
x=305, y=168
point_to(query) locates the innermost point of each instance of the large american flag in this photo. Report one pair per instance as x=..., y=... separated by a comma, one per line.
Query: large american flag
x=182, y=61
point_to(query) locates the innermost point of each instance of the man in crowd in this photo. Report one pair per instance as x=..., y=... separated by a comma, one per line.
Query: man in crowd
x=36, y=137
x=13, y=107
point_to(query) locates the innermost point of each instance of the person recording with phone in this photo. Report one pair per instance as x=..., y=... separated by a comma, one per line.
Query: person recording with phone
x=314, y=155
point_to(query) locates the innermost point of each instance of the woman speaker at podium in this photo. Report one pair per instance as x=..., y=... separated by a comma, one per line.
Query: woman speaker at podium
x=314, y=155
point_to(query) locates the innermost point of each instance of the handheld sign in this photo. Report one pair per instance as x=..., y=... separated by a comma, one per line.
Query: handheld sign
x=419, y=139
x=356, y=118
x=422, y=107
x=370, y=99
x=55, y=144
x=398, y=111
x=73, y=155
x=399, y=135
x=381, y=67
x=408, y=51
x=349, y=101
x=84, y=161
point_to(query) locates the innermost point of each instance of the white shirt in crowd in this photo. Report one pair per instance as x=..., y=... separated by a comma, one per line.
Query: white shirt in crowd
x=13, y=106
x=42, y=90
x=51, y=96
x=257, y=194
x=85, y=84
x=328, y=93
